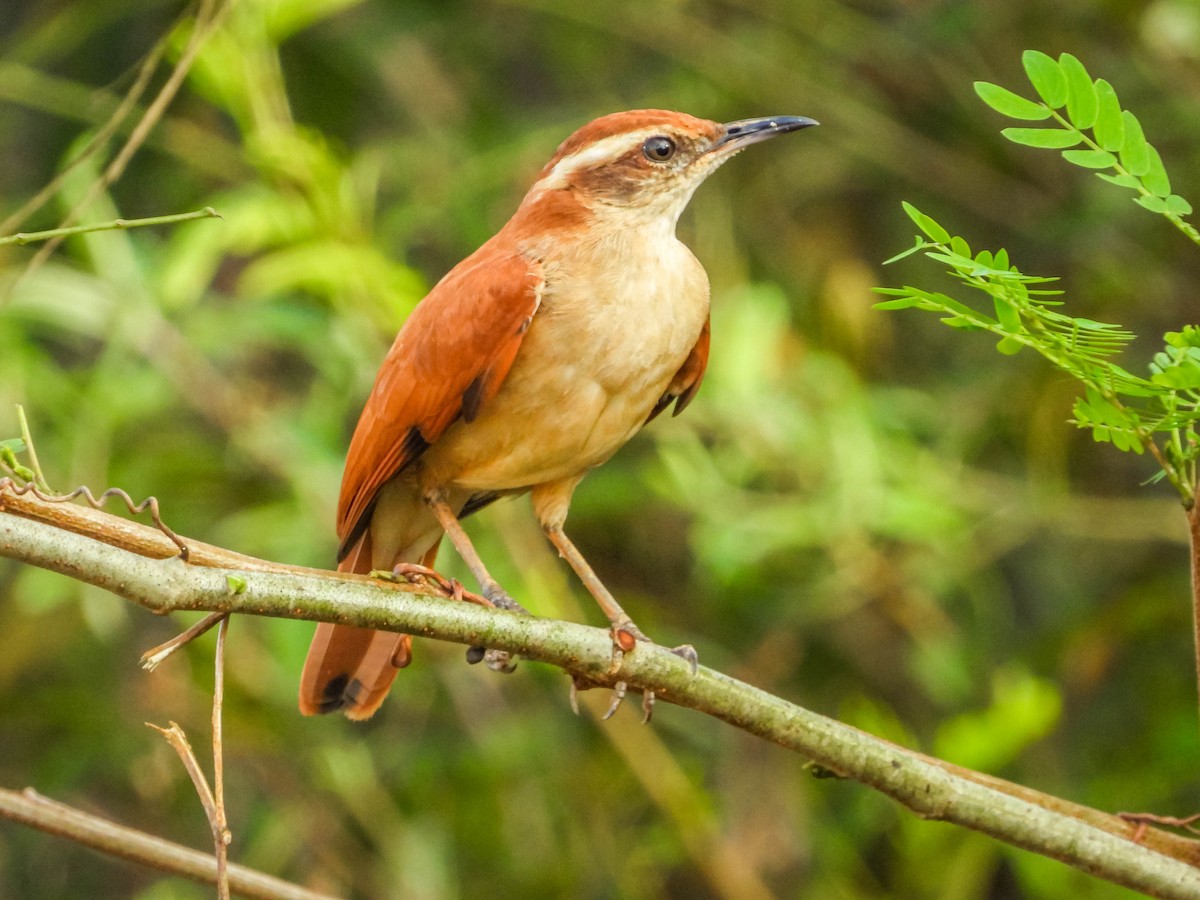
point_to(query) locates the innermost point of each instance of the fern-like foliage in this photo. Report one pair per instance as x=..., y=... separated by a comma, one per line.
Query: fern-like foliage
x=1158, y=413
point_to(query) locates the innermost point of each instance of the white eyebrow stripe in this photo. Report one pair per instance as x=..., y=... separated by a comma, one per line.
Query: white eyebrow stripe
x=586, y=157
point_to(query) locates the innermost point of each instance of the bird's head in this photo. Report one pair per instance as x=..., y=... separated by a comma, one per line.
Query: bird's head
x=648, y=162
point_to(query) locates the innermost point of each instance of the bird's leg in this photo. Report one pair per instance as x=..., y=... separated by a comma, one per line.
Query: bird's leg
x=436, y=501
x=497, y=660
x=625, y=633
x=622, y=626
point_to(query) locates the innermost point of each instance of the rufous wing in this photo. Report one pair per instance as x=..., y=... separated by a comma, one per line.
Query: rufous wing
x=448, y=360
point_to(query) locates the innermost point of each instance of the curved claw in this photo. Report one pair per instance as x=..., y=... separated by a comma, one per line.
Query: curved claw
x=647, y=706
x=688, y=654
x=500, y=661
x=618, y=695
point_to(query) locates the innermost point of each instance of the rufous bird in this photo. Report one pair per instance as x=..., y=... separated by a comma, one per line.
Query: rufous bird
x=530, y=363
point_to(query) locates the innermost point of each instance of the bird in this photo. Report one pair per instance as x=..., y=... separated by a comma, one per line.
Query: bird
x=528, y=364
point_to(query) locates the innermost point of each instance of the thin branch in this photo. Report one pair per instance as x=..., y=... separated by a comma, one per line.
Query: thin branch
x=176, y=737
x=30, y=237
x=30, y=808
x=97, y=140
x=220, y=823
x=208, y=17
x=151, y=658
x=134, y=567
x=214, y=808
x=39, y=479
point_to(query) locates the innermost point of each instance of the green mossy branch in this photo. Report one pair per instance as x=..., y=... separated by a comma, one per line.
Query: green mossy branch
x=139, y=564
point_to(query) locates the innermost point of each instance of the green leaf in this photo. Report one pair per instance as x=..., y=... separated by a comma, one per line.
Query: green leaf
x=1188, y=336
x=1001, y=261
x=1135, y=154
x=960, y=246
x=1009, y=346
x=1152, y=203
x=926, y=223
x=905, y=302
x=1123, y=180
x=1007, y=315
x=236, y=583
x=1082, y=103
x=1050, y=138
x=1156, y=180
x=1046, y=77
x=1090, y=159
x=1109, y=128
x=1177, y=206
x=1009, y=104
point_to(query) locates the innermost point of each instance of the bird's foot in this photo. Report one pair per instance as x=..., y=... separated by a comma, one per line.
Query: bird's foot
x=496, y=660
x=493, y=596
x=625, y=636
x=501, y=599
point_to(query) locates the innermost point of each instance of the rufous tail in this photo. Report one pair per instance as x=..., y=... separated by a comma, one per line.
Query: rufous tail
x=350, y=669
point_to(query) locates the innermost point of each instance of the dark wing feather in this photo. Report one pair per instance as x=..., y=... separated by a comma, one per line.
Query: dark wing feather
x=687, y=380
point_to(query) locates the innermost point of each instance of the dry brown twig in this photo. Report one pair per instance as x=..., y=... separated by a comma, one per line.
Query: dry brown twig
x=212, y=799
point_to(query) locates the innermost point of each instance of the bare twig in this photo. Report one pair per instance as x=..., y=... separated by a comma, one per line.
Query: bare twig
x=220, y=824
x=97, y=140
x=208, y=17
x=1099, y=843
x=115, y=225
x=155, y=655
x=31, y=808
x=179, y=743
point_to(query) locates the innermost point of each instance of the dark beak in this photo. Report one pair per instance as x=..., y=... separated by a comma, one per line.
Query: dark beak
x=745, y=132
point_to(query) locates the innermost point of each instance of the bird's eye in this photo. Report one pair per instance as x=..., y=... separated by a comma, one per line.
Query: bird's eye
x=658, y=149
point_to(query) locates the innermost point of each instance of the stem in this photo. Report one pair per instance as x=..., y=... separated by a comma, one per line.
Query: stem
x=220, y=824
x=31, y=237
x=38, y=478
x=30, y=808
x=1193, y=516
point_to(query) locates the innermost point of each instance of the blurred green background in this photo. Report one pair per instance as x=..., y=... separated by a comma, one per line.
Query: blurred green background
x=864, y=512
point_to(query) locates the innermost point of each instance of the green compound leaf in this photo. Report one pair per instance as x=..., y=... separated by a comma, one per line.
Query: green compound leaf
x=1009, y=104
x=1135, y=155
x=1091, y=159
x=1082, y=102
x=1109, y=128
x=1046, y=77
x=1048, y=138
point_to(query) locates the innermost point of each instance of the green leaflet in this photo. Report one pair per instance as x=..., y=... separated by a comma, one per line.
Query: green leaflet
x=1048, y=138
x=1009, y=104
